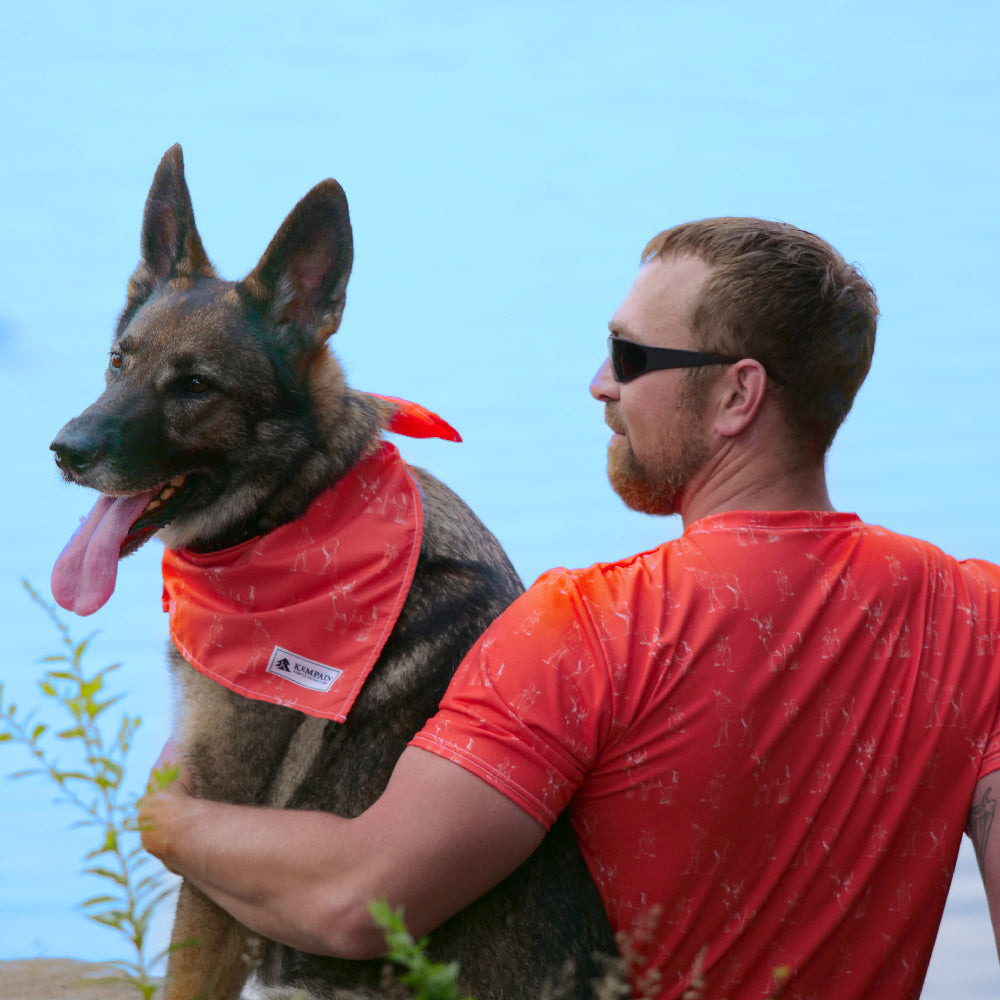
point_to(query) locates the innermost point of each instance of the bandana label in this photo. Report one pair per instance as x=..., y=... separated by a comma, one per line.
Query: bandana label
x=299, y=616
x=302, y=671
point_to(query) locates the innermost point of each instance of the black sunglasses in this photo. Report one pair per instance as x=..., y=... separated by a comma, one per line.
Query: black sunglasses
x=629, y=360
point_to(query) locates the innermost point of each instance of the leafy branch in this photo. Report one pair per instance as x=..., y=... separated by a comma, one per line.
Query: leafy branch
x=92, y=784
x=425, y=979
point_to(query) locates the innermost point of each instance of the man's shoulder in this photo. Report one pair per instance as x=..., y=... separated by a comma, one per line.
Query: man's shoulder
x=928, y=552
x=606, y=573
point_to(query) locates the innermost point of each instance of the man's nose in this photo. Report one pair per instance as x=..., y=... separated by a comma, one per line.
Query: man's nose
x=603, y=386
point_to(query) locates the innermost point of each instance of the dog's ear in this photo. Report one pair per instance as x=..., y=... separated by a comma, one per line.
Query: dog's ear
x=169, y=244
x=301, y=281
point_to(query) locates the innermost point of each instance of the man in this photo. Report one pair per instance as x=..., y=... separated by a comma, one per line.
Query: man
x=770, y=732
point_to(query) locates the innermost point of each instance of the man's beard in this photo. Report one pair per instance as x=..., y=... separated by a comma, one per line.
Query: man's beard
x=658, y=489
x=648, y=490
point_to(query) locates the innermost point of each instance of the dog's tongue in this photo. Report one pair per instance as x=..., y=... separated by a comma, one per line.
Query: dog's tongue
x=84, y=575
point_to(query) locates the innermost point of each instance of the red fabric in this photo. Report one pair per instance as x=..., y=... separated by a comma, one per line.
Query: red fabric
x=767, y=732
x=416, y=421
x=298, y=616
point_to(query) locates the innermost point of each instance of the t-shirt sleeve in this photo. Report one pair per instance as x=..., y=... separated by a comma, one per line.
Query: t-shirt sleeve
x=987, y=577
x=529, y=706
x=991, y=759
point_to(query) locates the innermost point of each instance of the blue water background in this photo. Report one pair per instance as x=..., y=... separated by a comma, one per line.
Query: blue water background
x=505, y=165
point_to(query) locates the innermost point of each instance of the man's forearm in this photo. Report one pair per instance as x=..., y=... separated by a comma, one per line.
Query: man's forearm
x=301, y=893
x=436, y=839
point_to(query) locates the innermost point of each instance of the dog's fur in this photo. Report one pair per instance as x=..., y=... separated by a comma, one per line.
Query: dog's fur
x=232, y=385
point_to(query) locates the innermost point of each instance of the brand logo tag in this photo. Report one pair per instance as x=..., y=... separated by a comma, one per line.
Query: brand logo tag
x=306, y=673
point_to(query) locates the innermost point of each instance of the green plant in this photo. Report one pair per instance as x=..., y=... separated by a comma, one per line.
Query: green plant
x=92, y=784
x=426, y=980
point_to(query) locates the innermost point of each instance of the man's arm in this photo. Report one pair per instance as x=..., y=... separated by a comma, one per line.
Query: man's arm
x=982, y=828
x=437, y=839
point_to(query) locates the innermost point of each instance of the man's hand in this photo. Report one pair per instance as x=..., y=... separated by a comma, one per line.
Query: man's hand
x=168, y=792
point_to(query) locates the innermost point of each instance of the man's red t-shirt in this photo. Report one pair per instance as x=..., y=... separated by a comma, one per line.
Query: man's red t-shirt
x=767, y=732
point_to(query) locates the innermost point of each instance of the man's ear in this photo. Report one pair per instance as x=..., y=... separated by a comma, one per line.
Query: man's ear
x=738, y=396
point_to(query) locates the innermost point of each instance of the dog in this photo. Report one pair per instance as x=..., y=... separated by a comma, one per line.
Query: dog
x=227, y=429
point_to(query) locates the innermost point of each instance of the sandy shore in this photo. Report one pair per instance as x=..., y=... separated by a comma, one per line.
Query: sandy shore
x=60, y=979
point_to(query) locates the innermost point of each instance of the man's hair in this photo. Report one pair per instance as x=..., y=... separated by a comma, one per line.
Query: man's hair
x=788, y=299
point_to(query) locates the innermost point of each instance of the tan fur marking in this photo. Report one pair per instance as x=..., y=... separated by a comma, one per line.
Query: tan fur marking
x=302, y=753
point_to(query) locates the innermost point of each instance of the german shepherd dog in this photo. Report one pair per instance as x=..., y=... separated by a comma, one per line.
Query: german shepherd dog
x=224, y=417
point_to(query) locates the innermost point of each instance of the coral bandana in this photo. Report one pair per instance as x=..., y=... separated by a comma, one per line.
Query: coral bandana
x=298, y=616
x=416, y=421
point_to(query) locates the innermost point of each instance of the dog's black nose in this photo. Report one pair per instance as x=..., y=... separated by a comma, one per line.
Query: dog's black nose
x=74, y=456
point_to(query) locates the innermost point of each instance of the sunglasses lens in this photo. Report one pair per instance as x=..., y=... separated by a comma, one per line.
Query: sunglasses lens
x=627, y=359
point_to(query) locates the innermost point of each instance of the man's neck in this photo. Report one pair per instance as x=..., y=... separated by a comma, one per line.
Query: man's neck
x=736, y=481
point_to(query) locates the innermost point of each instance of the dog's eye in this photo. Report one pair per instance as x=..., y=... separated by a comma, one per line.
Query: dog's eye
x=189, y=384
